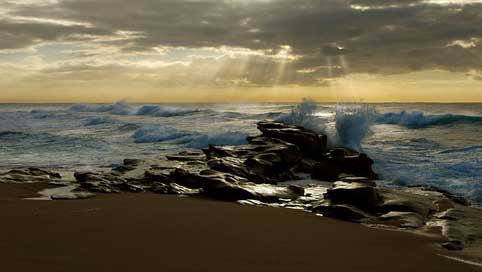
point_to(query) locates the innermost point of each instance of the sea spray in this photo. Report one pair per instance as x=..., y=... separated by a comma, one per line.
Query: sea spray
x=303, y=115
x=352, y=123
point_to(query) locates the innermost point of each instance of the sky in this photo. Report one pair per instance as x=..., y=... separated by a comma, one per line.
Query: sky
x=240, y=50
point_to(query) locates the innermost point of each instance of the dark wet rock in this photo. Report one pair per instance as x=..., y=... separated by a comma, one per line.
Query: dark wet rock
x=85, y=176
x=461, y=226
x=336, y=164
x=127, y=187
x=342, y=212
x=310, y=143
x=41, y=172
x=60, y=183
x=337, y=154
x=72, y=196
x=453, y=245
x=264, y=168
x=106, y=183
x=99, y=188
x=231, y=165
x=173, y=189
x=122, y=168
x=229, y=187
x=455, y=198
x=194, y=180
x=351, y=179
x=29, y=175
x=287, y=154
x=132, y=162
x=187, y=156
x=305, y=165
x=360, y=195
x=402, y=219
x=220, y=151
x=401, y=201
x=156, y=176
x=268, y=162
x=263, y=192
x=252, y=202
x=128, y=165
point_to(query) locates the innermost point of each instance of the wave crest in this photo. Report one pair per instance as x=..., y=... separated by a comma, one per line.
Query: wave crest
x=353, y=124
x=419, y=119
x=122, y=108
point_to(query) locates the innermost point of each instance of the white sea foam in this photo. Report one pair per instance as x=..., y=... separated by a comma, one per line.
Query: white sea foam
x=303, y=115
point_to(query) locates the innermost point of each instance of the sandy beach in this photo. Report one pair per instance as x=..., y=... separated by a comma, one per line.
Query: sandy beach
x=147, y=232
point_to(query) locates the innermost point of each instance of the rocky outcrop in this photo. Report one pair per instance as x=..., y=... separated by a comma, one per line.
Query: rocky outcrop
x=29, y=175
x=72, y=196
x=342, y=212
x=310, y=143
x=225, y=186
x=342, y=162
x=259, y=173
x=360, y=195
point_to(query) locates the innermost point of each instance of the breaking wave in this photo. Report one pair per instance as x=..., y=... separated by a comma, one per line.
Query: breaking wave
x=419, y=119
x=352, y=123
x=119, y=108
x=122, y=108
x=153, y=110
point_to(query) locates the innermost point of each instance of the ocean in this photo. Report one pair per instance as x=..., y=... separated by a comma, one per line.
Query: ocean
x=411, y=144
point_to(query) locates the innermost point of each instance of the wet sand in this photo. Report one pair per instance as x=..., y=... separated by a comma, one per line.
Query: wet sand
x=147, y=232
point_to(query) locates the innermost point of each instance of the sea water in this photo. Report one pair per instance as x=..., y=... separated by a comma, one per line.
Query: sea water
x=412, y=144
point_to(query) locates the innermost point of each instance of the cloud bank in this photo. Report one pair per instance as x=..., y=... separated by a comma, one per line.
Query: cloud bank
x=237, y=42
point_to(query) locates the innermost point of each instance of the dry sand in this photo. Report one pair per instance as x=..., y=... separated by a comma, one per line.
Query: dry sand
x=147, y=232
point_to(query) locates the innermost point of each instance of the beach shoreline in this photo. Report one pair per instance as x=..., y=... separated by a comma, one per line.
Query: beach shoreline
x=143, y=232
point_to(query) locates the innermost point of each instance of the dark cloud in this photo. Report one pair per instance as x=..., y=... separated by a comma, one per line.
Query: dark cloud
x=384, y=37
x=18, y=35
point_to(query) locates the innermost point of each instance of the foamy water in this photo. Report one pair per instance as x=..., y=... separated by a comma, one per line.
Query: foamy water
x=434, y=144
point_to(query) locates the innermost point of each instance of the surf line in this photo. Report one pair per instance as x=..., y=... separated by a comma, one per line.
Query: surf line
x=461, y=260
